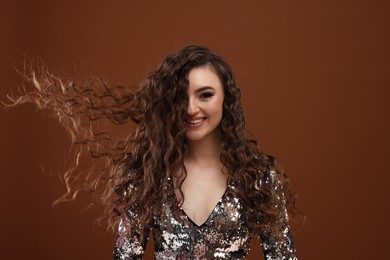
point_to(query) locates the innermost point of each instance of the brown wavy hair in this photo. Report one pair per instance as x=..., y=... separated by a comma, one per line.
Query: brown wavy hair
x=136, y=168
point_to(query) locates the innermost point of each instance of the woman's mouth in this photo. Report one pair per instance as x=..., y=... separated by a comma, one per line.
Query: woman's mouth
x=196, y=122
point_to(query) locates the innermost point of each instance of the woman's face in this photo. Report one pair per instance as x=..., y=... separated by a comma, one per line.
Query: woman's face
x=205, y=103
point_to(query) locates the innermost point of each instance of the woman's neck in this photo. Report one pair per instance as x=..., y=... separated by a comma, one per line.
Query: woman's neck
x=205, y=152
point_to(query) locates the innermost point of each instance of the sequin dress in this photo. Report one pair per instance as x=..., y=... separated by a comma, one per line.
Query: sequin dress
x=226, y=234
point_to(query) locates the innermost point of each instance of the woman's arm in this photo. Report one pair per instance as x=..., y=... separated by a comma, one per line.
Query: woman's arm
x=282, y=246
x=275, y=248
x=128, y=242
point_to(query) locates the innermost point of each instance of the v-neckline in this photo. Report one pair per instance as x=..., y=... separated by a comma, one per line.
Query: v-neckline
x=176, y=202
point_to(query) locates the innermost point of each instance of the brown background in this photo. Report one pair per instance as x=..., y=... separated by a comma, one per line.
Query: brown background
x=315, y=83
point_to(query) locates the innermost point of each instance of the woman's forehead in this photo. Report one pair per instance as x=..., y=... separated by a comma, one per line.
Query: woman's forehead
x=205, y=76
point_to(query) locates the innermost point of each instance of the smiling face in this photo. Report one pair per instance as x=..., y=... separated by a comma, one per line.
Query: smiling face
x=205, y=103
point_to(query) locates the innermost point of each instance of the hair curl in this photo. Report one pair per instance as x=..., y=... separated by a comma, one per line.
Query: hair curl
x=137, y=167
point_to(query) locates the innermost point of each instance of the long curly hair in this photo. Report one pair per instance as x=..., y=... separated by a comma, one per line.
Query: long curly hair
x=137, y=168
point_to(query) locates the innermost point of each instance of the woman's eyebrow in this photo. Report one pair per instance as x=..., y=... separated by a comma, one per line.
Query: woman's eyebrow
x=203, y=88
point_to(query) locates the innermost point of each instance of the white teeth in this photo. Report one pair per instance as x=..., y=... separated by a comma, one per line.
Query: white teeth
x=196, y=121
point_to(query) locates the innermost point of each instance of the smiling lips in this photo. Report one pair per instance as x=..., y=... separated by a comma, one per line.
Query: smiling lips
x=194, y=122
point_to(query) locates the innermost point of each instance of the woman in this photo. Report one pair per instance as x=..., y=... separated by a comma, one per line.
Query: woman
x=207, y=189
x=187, y=173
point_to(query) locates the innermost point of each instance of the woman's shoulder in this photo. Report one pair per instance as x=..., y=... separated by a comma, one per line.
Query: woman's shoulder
x=264, y=163
x=267, y=172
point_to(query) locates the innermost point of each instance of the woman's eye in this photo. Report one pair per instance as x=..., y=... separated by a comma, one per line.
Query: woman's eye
x=206, y=95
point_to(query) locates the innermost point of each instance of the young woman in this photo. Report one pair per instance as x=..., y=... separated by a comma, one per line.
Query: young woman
x=187, y=172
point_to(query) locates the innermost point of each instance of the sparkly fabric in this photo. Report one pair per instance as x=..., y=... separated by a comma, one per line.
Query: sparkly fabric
x=225, y=235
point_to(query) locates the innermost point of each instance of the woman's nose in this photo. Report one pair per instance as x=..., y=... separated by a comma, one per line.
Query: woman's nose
x=192, y=108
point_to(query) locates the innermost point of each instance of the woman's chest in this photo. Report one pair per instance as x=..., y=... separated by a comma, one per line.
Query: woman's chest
x=224, y=235
x=199, y=194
